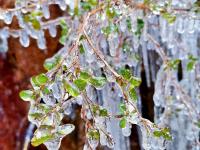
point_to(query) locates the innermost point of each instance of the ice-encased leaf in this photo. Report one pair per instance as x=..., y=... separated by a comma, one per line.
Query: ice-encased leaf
x=97, y=82
x=41, y=135
x=27, y=95
x=65, y=129
x=122, y=123
x=51, y=63
x=39, y=80
x=24, y=38
x=71, y=90
x=81, y=84
x=133, y=94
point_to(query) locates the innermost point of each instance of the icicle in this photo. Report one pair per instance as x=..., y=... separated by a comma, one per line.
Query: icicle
x=52, y=30
x=180, y=25
x=53, y=144
x=146, y=63
x=127, y=130
x=62, y=4
x=4, y=34
x=8, y=17
x=41, y=42
x=113, y=44
x=24, y=38
x=45, y=10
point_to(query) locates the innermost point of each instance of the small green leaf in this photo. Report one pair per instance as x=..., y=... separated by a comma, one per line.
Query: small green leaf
x=122, y=108
x=157, y=133
x=51, y=63
x=85, y=75
x=198, y=124
x=110, y=12
x=35, y=116
x=81, y=49
x=133, y=94
x=140, y=26
x=46, y=91
x=95, y=109
x=81, y=84
x=26, y=95
x=93, y=134
x=169, y=17
x=27, y=18
x=122, y=123
x=173, y=64
x=36, y=24
x=126, y=73
x=128, y=23
x=36, y=14
x=134, y=82
x=44, y=138
x=64, y=32
x=97, y=82
x=72, y=91
x=63, y=39
x=111, y=28
x=190, y=65
x=103, y=113
x=163, y=133
x=93, y=2
x=40, y=79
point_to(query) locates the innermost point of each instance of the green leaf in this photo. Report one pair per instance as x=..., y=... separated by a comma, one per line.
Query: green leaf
x=173, y=64
x=190, y=65
x=163, y=133
x=198, y=124
x=39, y=80
x=95, y=109
x=64, y=32
x=103, y=113
x=51, y=63
x=86, y=6
x=140, y=26
x=27, y=18
x=26, y=95
x=133, y=94
x=35, y=116
x=157, y=133
x=134, y=82
x=44, y=138
x=110, y=12
x=81, y=84
x=72, y=91
x=126, y=47
x=46, y=91
x=93, y=2
x=129, y=24
x=122, y=123
x=42, y=134
x=109, y=29
x=81, y=49
x=63, y=39
x=36, y=14
x=65, y=129
x=126, y=73
x=36, y=24
x=169, y=17
x=97, y=82
x=93, y=134
x=122, y=108
x=85, y=75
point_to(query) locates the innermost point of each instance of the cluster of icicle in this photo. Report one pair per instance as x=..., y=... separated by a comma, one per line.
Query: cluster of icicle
x=177, y=103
